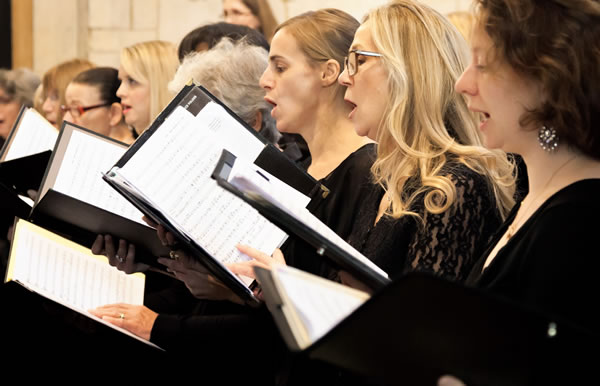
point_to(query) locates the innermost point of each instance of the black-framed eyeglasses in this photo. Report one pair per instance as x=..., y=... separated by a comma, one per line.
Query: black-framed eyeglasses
x=77, y=111
x=350, y=60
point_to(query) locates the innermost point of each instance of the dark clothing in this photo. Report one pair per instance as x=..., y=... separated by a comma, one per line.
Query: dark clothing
x=294, y=147
x=444, y=244
x=551, y=263
x=349, y=186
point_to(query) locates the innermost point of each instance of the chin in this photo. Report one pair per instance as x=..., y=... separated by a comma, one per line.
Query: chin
x=492, y=144
x=283, y=128
x=362, y=132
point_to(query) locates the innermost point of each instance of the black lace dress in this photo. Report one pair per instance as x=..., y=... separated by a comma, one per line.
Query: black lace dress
x=446, y=244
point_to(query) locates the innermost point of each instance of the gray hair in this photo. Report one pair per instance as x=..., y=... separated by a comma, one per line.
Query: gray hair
x=19, y=84
x=231, y=72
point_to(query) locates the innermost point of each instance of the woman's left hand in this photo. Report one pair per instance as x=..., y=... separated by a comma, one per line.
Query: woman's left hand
x=259, y=259
x=138, y=320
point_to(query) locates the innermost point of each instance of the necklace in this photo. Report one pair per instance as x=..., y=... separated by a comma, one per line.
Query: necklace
x=512, y=229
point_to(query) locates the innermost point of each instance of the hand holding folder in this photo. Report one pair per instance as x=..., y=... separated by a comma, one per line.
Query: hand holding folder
x=68, y=274
x=279, y=205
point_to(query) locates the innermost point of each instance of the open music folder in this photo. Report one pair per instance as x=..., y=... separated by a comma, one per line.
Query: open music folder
x=254, y=186
x=23, y=160
x=31, y=134
x=74, y=200
x=166, y=174
x=69, y=274
x=421, y=327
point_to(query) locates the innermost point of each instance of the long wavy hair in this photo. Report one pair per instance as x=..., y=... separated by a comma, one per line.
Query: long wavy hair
x=427, y=124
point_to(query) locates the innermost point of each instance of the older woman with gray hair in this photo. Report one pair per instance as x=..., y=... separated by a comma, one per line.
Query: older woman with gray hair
x=231, y=72
x=17, y=88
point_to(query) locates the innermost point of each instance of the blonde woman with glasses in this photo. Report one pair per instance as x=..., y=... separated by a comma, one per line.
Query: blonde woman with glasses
x=441, y=194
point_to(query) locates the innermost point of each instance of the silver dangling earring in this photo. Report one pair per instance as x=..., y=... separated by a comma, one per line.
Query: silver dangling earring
x=548, y=139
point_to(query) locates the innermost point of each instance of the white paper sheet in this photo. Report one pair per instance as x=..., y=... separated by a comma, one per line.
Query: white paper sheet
x=35, y=135
x=320, y=304
x=80, y=174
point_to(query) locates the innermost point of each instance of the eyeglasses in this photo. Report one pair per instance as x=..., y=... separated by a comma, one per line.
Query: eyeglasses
x=77, y=111
x=350, y=60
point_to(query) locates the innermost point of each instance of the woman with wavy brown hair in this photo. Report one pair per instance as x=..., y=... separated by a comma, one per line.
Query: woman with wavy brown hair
x=536, y=91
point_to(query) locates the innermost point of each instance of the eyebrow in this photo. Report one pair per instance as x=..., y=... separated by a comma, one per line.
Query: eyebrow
x=357, y=46
x=272, y=58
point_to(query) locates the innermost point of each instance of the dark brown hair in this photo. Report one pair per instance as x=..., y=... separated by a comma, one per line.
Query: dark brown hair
x=211, y=34
x=105, y=79
x=557, y=44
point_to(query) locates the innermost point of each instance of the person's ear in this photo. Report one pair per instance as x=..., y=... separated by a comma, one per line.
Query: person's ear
x=257, y=125
x=115, y=114
x=330, y=72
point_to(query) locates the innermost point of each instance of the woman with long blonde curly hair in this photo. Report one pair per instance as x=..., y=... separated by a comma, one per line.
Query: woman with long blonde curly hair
x=441, y=193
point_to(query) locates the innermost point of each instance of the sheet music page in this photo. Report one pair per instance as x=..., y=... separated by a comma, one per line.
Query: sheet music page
x=80, y=174
x=252, y=184
x=70, y=274
x=34, y=135
x=320, y=304
x=173, y=170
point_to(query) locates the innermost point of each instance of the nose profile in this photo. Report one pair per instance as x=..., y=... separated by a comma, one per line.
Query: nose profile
x=465, y=84
x=344, y=79
x=121, y=90
x=266, y=80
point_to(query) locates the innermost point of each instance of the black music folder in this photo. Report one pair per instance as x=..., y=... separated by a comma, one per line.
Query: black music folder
x=256, y=189
x=166, y=175
x=421, y=327
x=17, y=176
x=23, y=160
x=74, y=201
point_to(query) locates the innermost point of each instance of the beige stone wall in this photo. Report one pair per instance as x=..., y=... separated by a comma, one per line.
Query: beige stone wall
x=98, y=29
